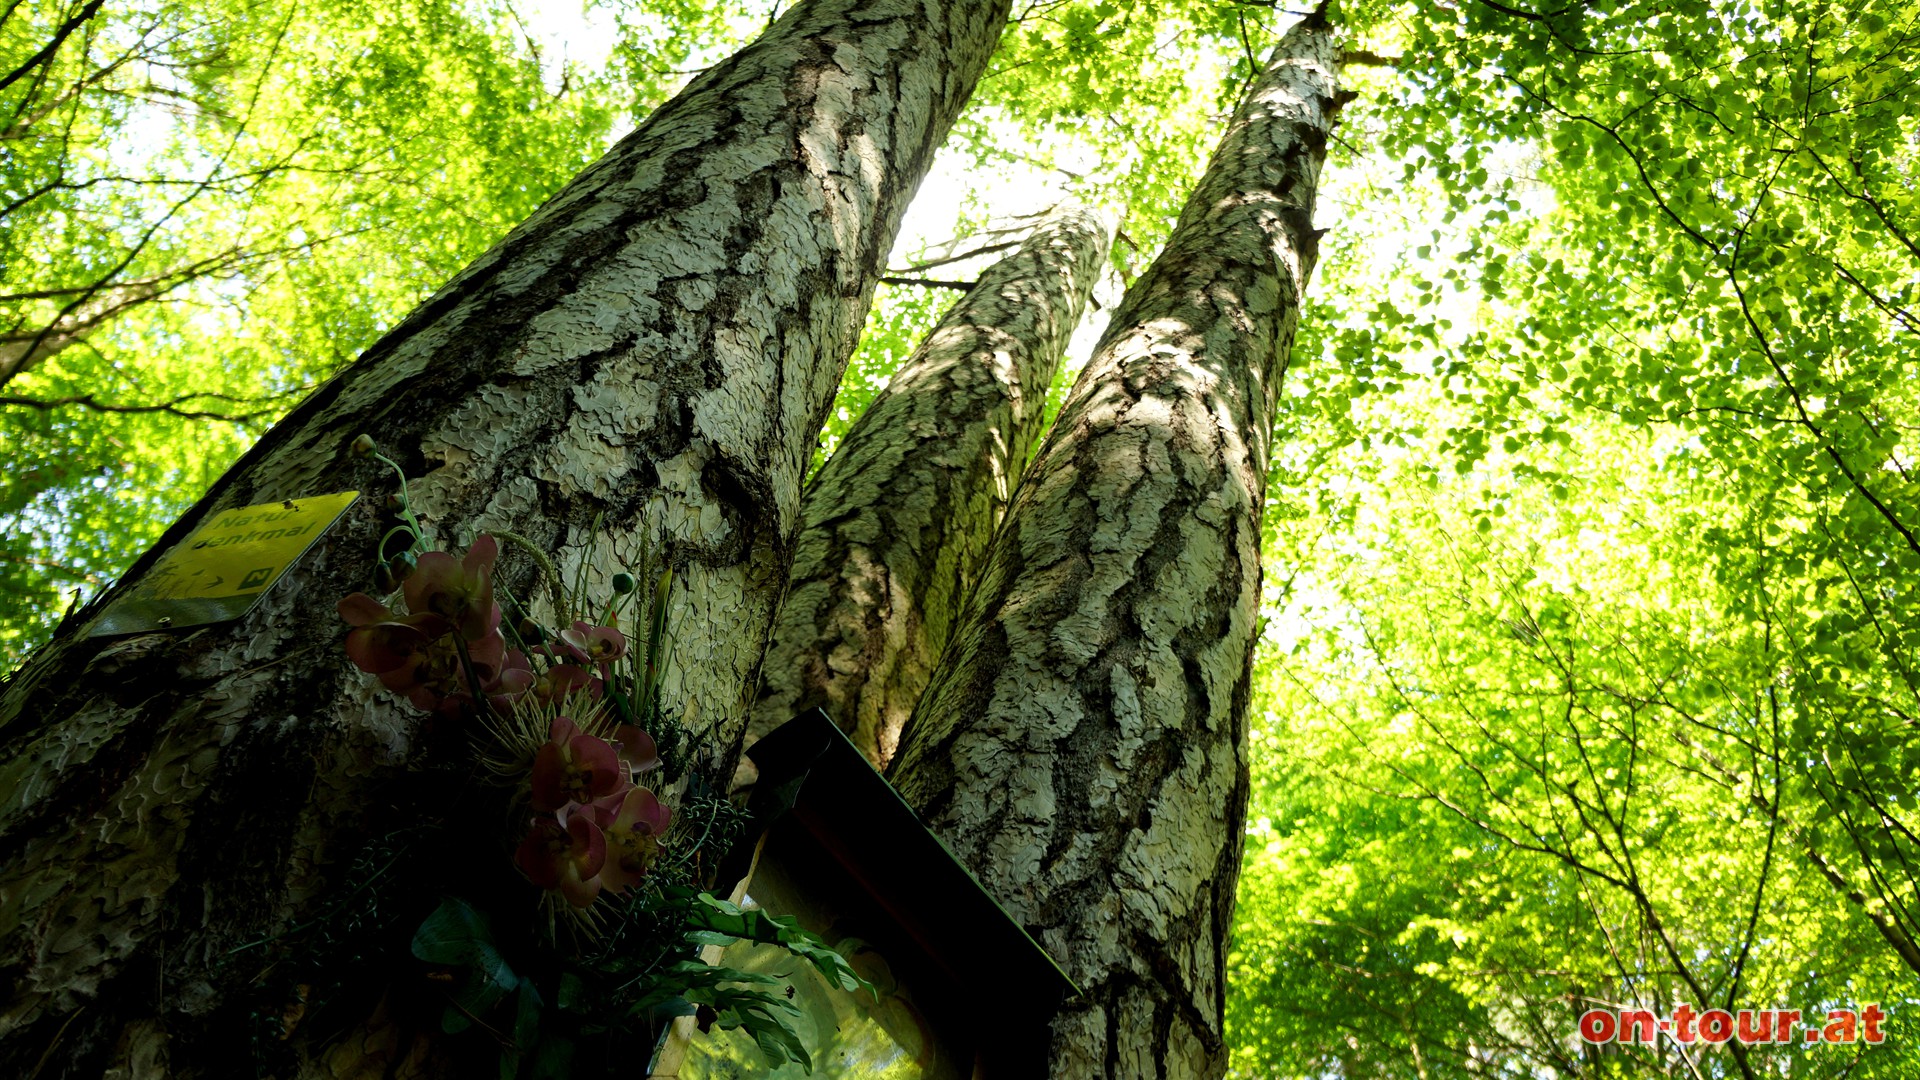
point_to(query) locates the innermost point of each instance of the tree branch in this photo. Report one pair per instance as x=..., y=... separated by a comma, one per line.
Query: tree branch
x=1367, y=58
x=961, y=257
x=929, y=283
x=62, y=569
x=59, y=38
x=173, y=407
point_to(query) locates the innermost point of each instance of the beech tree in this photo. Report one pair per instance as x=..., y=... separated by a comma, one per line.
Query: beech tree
x=647, y=358
x=1583, y=668
x=1082, y=743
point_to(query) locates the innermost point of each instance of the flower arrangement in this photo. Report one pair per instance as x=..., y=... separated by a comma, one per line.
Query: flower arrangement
x=566, y=723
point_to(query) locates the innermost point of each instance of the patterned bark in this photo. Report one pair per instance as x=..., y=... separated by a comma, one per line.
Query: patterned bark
x=654, y=349
x=1082, y=745
x=894, y=527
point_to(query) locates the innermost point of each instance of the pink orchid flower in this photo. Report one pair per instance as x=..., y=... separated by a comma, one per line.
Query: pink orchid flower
x=433, y=678
x=562, y=679
x=637, y=750
x=575, y=768
x=380, y=640
x=590, y=644
x=567, y=857
x=502, y=681
x=460, y=592
x=632, y=828
x=515, y=678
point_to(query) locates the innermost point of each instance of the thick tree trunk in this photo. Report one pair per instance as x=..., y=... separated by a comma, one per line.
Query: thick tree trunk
x=654, y=350
x=894, y=527
x=1082, y=745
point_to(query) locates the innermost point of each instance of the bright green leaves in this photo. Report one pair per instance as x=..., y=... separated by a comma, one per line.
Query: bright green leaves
x=738, y=1003
x=1706, y=268
x=900, y=317
x=717, y=922
x=207, y=208
x=1512, y=730
x=1127, y=94
x=458, y=942
x=1615, y=581
x=738, y=998
x=662, y=42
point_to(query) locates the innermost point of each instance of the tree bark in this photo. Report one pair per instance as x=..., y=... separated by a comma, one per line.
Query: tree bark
x=1082, y=744
x=652, y=351
x=896, y=523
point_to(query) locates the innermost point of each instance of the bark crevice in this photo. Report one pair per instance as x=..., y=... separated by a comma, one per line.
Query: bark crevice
x=895, y=525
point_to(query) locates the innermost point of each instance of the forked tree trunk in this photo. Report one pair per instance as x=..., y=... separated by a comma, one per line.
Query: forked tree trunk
x=653, y=351
x=1082, y=745
x=896, y=523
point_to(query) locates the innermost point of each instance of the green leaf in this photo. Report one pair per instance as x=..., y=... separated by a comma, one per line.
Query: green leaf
x=719, y=919
x=457, y=935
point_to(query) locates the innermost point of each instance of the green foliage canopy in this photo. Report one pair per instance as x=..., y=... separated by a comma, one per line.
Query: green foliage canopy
x=1589, y=669
x=1595, y=544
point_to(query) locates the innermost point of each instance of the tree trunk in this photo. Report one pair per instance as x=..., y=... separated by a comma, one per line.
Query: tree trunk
x=653, y=351
x=894, y=527
x=1082, y=745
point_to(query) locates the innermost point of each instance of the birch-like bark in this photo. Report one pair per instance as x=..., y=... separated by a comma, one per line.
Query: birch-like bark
x=1082, y=744
x=896, y=523
x=654, y=351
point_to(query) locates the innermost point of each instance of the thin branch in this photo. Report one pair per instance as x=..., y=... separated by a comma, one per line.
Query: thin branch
x=1368, y=58
x=930, y=283
x=62, y=569
x=912, y=268
x=173, y=407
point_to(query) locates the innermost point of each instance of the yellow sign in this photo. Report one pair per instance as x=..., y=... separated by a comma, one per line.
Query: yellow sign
x=224, y=567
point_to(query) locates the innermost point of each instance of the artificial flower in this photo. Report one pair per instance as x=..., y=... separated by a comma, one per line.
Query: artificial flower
x=590, y=644
x=460, y=592
x=574, y=767
x=567, y=857
x=637, y=749
x=632, y=829
x=560, y=680
x=380, y=640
